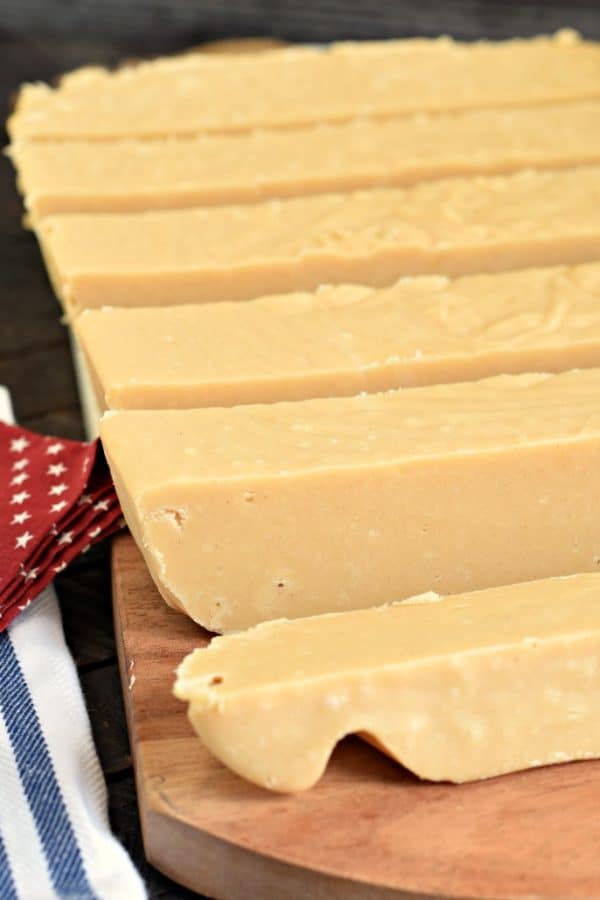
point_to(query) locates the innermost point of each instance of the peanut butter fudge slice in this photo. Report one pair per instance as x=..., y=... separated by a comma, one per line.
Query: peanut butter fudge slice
x=455, y=226
x=344, y=339
x=455, y=688
x=130, y=175
x=194, y=93
x=252, y=513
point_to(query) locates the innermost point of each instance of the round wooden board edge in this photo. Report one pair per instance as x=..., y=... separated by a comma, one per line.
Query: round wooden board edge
x=224, y=870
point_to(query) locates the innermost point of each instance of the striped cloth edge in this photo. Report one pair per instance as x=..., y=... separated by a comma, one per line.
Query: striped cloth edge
x=55, y=839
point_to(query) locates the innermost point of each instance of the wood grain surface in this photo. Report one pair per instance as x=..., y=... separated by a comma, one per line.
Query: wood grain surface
x=310, y=20
x=369, y=829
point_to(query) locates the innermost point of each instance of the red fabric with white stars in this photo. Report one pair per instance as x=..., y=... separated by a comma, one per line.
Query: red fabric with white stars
x=56, y=500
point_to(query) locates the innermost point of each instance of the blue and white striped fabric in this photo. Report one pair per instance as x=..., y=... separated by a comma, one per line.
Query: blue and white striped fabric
x=55, y=840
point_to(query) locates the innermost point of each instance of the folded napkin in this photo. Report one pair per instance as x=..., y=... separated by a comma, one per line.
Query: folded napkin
x=55, y=839
x=56, y=500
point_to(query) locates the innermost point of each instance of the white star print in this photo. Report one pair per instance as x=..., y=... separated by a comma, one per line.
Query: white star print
x=24, y=606
x=20, y=464
x=94, y=532
x=53, y=449
x=56, y=507
x=101, y=504
x=86, y=548
x=17, y=445
x=21, y=497
x=33, y=573
x=56, y=469
x=66, y=537
x=19, y=518
x=23, y=540
x=60, y=567
x=85, y=498
x=19, y=479
x=57, y=489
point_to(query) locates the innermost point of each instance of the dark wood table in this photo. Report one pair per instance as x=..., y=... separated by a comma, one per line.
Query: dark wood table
x=45, y=38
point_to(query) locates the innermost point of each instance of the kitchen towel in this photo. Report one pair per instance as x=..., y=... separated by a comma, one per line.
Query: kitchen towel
x=55, y=839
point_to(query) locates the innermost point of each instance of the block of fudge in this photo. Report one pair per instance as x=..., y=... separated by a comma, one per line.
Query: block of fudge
x=343, y=339
x=455, y=226
x=257, y=512
x=298, y=86
x=137, y=175
x=454, y=688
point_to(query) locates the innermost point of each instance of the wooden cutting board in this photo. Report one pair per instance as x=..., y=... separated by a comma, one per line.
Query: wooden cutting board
x=368, y=830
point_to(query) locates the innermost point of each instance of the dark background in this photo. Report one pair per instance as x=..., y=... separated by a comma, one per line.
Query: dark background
x=40, y=39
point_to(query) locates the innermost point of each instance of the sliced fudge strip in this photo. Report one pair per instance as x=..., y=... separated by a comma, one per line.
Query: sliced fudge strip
x=455, y=226
x=196, y=93
x=344, y=339
x=455, y=688
x=293, y=509
x=135, y=175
